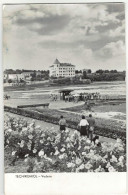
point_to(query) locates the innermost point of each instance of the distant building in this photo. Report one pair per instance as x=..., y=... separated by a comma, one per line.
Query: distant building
x=38, y=73
x=27, y=74
x=14, y=77
x=62, y=69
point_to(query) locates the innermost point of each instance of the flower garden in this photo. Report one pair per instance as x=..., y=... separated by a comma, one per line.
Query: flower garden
x=50, y=151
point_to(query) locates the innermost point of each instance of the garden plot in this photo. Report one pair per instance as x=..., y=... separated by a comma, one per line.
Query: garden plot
x=29, y=149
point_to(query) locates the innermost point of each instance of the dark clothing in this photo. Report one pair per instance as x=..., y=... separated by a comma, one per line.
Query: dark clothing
x=90, y=135
x=91, y=122
x=84, y=130
x=62, y=127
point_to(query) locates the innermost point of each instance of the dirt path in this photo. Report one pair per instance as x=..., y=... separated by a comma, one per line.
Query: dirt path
x=45, y=125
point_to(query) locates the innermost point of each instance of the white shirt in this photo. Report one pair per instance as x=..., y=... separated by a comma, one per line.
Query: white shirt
x=84, y=122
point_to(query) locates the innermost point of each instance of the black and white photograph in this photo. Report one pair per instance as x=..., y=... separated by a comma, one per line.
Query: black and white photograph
x=64, y=82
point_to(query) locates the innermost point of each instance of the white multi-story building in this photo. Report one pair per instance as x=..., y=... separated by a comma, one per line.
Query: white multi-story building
x=62, y=69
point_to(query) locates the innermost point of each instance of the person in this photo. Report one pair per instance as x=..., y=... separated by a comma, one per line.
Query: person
x=84, y=126
x=62, y=123
x=91, y=122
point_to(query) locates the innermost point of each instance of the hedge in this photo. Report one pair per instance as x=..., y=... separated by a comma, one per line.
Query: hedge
x=105, y=132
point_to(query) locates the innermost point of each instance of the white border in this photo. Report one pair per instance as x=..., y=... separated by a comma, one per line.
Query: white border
x=103, y=183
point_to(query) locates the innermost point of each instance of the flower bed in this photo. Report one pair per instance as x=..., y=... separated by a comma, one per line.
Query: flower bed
x=53, y=116
x=47, y=151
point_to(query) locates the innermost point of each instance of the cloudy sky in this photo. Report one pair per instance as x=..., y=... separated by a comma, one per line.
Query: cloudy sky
x=86, y=35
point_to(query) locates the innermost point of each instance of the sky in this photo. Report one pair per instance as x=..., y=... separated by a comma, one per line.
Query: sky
x=90, y=36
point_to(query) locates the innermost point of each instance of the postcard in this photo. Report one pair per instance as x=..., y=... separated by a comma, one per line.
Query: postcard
x=64, y=82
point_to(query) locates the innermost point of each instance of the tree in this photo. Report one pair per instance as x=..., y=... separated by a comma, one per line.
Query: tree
x=76, y=71
x=113, y=71
x=100, y=71
x=84, y=75
x=106, y=71
x=89, y=71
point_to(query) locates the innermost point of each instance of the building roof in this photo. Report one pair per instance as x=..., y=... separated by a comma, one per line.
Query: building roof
x=56, y=61
x=65, y=90
x=66, y=64
x=61, y=64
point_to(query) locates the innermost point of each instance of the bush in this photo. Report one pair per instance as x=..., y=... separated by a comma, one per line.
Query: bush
x=48, y=151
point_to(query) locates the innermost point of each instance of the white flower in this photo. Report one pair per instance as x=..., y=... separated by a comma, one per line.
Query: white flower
x=97, y=141
x=81, y=167
x=13, y=153
x=68, y=146
x=62, y=150
x=34, y=151
x=7, y=141
x=9, y=130
x=75, y=132
x=24, y=129
x=111, y=169
x=21, y=145
x=56, y=152
x=41, y=153
x=37, y=127
x=120, y=164
x=49, y=159
x=78, y=161
x=86, y=148
x=22, y=142
x=106, y=156
x=118, y=140
x=48, y=139
x=88, y=141
x=88, y=166
x=120, y=148
x=42, y=135
x=113, y=159
x=79, y=147
x=69, y=165
x=41, y=141
x=29, y=148
x=61, y=156
x=31, y=129
x=67, y=130
x=30, y=136
x=108, y=165
x=83, y=153
x=67, y=140
x=74, y=153
x=103, y=160
x=121, y=158
x=26, y=155
x=25, y=160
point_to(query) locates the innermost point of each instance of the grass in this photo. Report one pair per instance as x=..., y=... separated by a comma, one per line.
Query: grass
x=108, y=107
x=100, y=122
